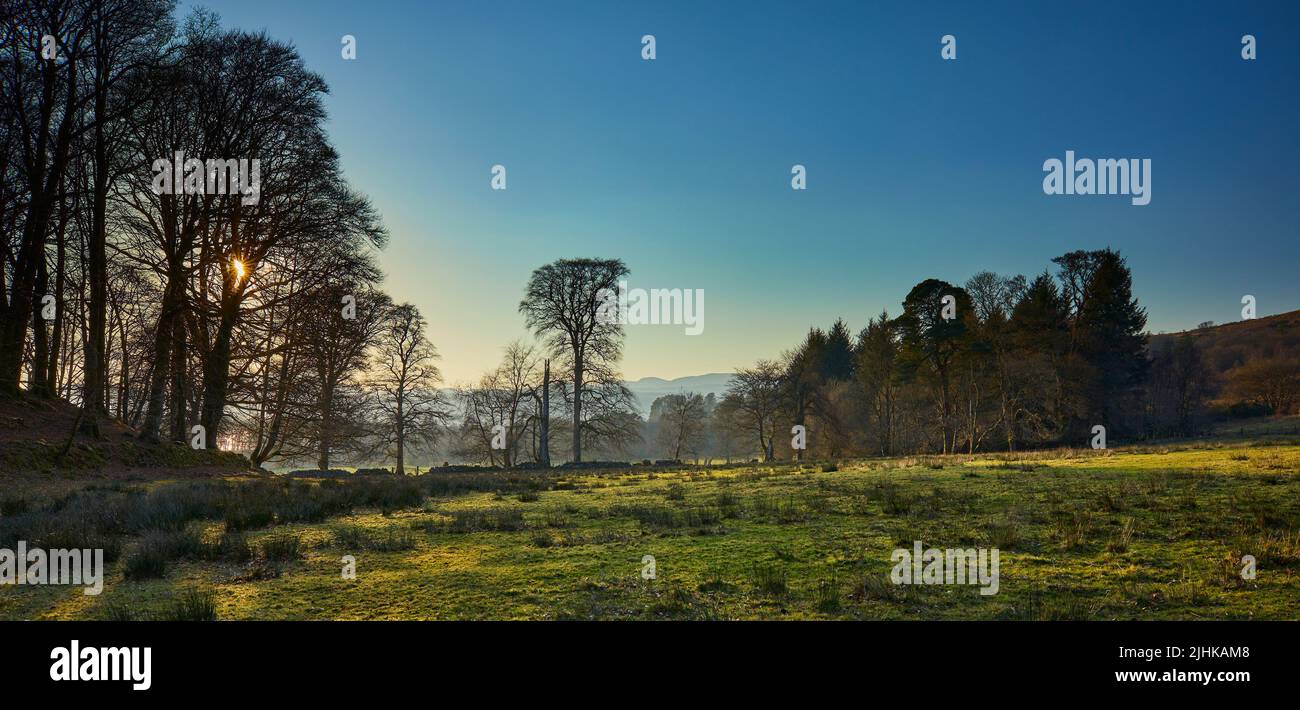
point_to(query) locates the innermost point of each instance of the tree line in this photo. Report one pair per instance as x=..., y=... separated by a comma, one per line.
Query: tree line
x=999, y=363
x=247, y=306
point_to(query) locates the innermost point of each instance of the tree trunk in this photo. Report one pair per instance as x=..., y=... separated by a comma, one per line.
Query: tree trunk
x=180, y=380
x=798, y=453
x=216, y=370
x=948, y=432
x=13, y=329
x=272, y=445
x=173, y=297
x=40, y=334
x=60, y=282
x=97, y=275
x=326, y=435
x=545, y=423
x=401, y=438
x=508, y=453
x=124, y=382
x=577, y=410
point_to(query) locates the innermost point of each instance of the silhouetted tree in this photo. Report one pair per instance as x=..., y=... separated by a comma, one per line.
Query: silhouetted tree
x=930, y=343
x=877, y=376
x=407, y=384
x=837, y=357
x=561, y=304
x=1040, y=342
x=1109, y=336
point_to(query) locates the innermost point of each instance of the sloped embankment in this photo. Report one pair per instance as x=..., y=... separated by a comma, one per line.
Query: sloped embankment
x=34, y=437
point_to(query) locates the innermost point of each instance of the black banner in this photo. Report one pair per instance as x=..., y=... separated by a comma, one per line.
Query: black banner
x=231, y=660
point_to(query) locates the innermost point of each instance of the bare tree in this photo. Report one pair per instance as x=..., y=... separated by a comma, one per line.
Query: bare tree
x=542, y=400
x=407, y=384
x=348, y=320
x=561, y=305
x=125, y=38
x=756, y=393
x=42, y=104
x=683, y=423
x=1272, y=383
x=728, y=428
x=502, y=408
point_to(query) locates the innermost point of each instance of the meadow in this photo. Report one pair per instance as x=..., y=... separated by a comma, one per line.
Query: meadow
x=1131, y=533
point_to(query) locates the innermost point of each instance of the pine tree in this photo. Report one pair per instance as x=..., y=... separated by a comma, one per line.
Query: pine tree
x=1111, y=338
x=837, y=357
x=930, y=343
x=1040, y=342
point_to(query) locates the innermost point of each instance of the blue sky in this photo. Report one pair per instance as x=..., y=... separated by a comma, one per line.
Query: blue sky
x=917, y=167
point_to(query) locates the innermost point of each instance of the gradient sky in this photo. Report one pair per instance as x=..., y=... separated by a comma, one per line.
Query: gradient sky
x=917, y=167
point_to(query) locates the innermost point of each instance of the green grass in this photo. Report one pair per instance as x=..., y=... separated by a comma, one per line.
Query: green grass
x=1145, y=533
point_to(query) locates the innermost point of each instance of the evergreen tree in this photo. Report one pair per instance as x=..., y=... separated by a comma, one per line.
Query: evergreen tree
x=1111, y=338
x=876, y=373
x=837, y=357
x=1040, y=341
x=930, y=343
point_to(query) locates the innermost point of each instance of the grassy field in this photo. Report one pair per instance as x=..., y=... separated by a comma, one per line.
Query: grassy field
x=1144, y=533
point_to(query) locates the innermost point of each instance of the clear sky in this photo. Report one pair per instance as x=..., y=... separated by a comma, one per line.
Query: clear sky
x=917, y=167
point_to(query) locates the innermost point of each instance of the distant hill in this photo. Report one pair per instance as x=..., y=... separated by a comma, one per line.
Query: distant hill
x=1231, y=345
x=647, y=389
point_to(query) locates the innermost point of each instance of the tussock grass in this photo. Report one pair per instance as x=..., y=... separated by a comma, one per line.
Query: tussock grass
x=486, y=519
x=231, y=547
x=193, y=605
x=828, y=596
x=352, y=537
x=880, y=588
x=658, y=516
x=1123, y=537
x=1061, y=605
x=281, y=548
x=1004, y=533
x=770, y=579
x=1073, y=527
x=158, y=548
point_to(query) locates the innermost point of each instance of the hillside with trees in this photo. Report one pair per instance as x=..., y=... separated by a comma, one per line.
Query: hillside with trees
x=236, y=309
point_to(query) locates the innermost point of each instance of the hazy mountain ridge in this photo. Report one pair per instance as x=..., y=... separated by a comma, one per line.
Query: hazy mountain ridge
x=647, y=389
